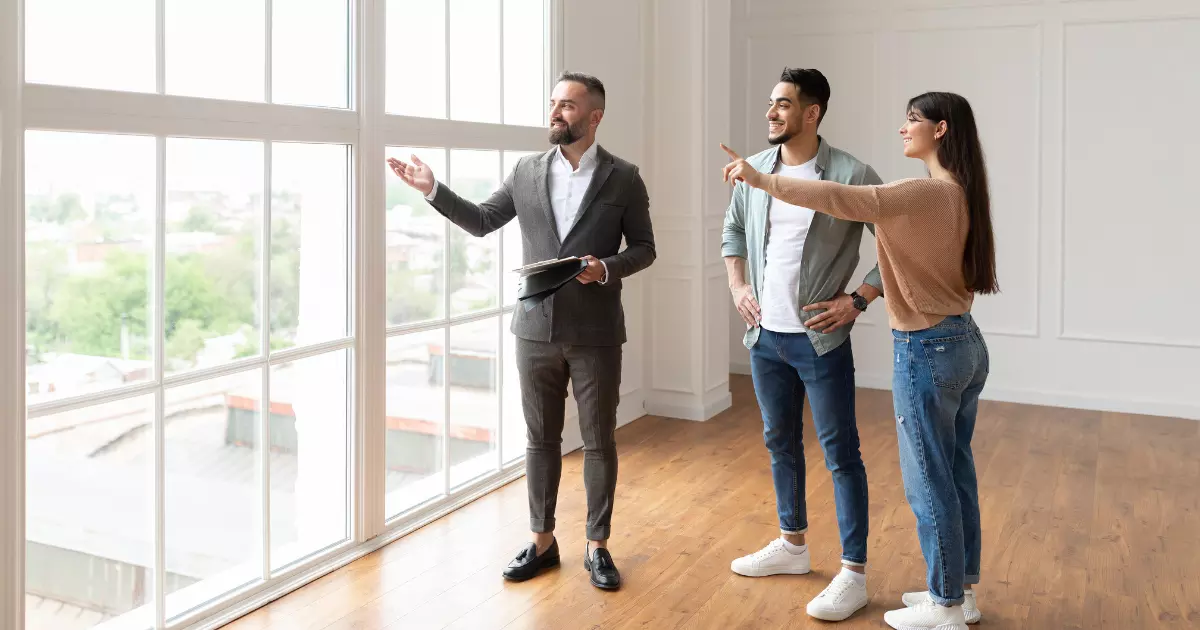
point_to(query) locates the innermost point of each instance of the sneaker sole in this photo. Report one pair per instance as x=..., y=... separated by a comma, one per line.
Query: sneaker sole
x=972, y=618
x=770, y=572
x=945, y=626
x=829, y=615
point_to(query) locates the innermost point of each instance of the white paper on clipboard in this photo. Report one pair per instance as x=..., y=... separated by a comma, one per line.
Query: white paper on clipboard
x=545, y=264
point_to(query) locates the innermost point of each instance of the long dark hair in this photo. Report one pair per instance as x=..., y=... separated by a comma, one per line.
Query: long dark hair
x=961, y=153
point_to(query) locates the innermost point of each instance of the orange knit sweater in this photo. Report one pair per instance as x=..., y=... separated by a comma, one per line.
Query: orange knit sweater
x=920, y=233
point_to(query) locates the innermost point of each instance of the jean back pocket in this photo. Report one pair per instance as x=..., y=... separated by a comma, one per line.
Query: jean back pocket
x=951, y=360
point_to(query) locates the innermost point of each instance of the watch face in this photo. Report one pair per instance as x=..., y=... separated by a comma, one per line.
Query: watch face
x=860, y=302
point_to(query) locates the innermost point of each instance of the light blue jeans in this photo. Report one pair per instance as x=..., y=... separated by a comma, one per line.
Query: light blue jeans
x=938, y=375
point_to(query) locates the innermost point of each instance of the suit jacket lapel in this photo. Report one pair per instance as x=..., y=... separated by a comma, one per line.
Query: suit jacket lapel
x=542, y=175
x=604, y=168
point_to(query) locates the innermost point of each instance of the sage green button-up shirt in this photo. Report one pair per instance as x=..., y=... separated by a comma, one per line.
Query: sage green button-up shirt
x=830, y=251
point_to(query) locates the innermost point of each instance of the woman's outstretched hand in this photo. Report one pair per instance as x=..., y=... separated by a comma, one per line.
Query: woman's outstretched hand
x=739, y=170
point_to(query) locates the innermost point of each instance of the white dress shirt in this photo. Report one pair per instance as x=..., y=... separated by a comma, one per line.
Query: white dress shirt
x=567, y=186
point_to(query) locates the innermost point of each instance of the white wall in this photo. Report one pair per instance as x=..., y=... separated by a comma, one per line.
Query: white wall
x=1086, y=111
x=687, y=116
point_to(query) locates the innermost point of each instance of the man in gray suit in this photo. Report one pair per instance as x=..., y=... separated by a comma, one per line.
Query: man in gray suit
x=574, y=200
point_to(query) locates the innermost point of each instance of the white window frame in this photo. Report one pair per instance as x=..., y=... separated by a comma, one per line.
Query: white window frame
x=367, y=129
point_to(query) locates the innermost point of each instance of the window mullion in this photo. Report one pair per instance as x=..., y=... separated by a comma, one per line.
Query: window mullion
x=500, y=75
x=370, y=288
x=446, y=305
x=269, y=52
x=500, y=290
x=160, y=46
x=12, y=322
x=449, y=75
x=264, y=412
x=159, y=343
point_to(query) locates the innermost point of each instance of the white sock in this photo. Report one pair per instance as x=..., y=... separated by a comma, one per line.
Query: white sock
x=794, y=549
x=859, y=578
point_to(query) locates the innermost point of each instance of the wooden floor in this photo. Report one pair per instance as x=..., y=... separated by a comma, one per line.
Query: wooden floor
x=1090, y=520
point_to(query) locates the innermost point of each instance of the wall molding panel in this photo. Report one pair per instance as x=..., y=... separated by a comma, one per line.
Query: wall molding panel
x=1091, y=239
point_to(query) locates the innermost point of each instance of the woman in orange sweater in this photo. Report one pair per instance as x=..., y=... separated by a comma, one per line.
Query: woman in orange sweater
x=936, y=251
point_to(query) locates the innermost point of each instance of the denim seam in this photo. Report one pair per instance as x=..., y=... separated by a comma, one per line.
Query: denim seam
x=795, y=464
x=928, y=498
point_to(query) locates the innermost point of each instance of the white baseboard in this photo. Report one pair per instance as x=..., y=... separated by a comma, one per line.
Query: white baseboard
x=737, y=367
x=1059, y=399
x=687, y=407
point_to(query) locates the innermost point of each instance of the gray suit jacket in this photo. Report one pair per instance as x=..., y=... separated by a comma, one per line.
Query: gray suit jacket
x=615, y=204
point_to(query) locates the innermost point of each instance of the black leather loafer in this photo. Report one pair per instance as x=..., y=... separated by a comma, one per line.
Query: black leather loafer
x=528, y=564
x=603, y=572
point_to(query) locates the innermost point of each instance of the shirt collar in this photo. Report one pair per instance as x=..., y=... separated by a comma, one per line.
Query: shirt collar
x=823, y=153
x=587, y=159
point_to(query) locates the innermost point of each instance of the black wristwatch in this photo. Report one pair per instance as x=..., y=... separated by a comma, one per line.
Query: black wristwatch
x=860, y=302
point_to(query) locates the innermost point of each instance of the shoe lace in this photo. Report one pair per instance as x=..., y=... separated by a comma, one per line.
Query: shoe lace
x=835, y=590
x=769, y=551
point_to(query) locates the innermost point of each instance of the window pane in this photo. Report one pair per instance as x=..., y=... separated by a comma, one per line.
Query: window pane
x=513, y=416
x=524, y=63
x=474, y=404
x=90, y=516
x=310, y=57
x=474, y=176
x=89, y=247
x=85, y=43
x=416, y=237
x=310, y=410
x=216, y=48
x=514, y=256
x=213, y=501
x=309, y=261
x=214, y=238
x=475, y=60
x=416, y=414
x=416, y=58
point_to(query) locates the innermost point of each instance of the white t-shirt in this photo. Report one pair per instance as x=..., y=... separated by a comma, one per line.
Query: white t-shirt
x=787, y=229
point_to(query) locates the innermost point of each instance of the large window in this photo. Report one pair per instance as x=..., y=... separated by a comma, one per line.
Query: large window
x=169, y=314
x=444, y=396
x=453, y=412
x=249, y=347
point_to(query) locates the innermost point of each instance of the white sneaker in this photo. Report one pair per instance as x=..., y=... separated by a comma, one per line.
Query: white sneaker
x=927, y=616
x=843, y=597
x=773, y=559
x=969, y=606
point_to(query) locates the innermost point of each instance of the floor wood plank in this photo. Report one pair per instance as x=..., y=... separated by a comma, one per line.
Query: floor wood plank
x=1090, y=520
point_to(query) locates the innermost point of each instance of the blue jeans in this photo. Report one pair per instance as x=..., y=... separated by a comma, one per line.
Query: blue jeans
x=785, y=367
x=938, y=375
